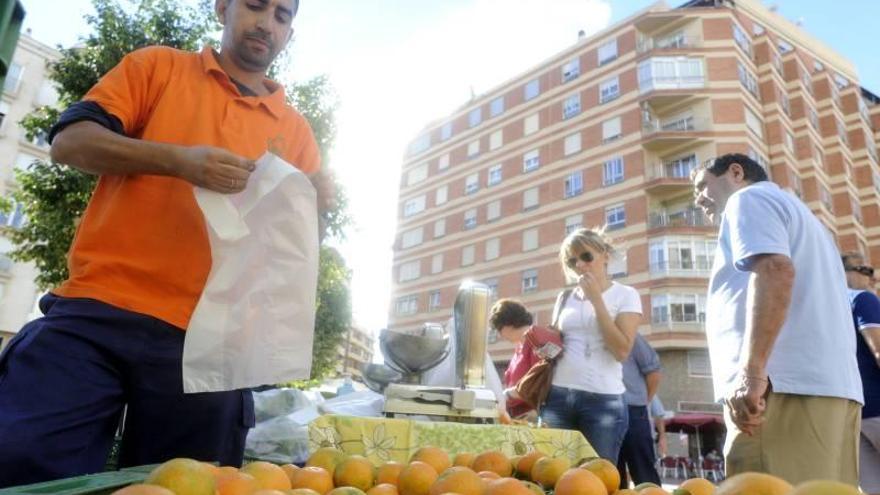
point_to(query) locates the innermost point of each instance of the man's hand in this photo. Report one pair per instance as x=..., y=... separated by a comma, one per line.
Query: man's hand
x=215, y=169
x=748, y=402
x=325, y=186
x=662, y=448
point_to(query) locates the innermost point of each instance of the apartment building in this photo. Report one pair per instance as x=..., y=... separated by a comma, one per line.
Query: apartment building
x=354, y=352
x=607, y=132
x=27, y=87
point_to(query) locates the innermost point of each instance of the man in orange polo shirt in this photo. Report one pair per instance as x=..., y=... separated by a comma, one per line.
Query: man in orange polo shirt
x=160, y=123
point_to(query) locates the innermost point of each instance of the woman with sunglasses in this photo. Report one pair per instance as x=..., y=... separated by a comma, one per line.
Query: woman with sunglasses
x=598, y=320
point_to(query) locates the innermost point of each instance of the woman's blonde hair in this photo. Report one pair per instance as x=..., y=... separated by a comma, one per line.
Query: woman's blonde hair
x=578, y=241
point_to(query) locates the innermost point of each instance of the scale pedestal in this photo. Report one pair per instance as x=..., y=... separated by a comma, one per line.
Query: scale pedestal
x=451, y=403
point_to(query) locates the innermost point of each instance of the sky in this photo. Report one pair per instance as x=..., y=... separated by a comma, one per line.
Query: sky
x=398, y=64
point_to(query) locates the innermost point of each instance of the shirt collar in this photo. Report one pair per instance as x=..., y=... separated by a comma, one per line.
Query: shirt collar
x=273, y=103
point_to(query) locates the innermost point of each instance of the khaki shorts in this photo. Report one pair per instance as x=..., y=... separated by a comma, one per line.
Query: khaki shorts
x=803, y=437
x=869, y=456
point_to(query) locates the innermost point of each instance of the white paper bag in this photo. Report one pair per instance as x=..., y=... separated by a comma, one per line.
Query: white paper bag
x=255, y=320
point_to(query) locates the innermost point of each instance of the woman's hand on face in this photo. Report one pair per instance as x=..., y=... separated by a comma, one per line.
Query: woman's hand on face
x=591, y=287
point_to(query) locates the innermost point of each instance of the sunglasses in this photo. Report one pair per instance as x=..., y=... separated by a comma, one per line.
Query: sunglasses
x=586, y=257
x=863, y=269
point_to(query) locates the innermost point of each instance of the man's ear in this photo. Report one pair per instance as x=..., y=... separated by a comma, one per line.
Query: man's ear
x=737, y=171
x=220, y=7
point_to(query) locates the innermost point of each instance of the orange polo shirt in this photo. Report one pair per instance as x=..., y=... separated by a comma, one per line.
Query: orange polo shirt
x=142, y=244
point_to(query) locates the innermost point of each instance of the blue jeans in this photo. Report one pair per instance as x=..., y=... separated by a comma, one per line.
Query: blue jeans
x=637, y=452
x=602, y=418
x=65, y=378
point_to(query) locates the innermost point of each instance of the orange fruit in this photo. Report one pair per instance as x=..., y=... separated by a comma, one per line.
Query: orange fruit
x=301, y=491
x=626, y=491
x=653, y=490
x=605, y=471
x=289, y=469
x=753, y=483
x=824, y=487
x=143, y=490
x=458, y=479
x=464, y=459
x=383, y=489
x=269, y=491
x=226, y=470
x=237, y=483
x=489, y=475
x=314, y=478
x=697, y=486
x=183, y=477
x=507, y=486
x=416, y=479
x=355, y=471
x=388, y=473
x=534, y=487
x=346, y=490
x=646, y=484
x=494, y=461
x=547, y=470
x=212, y=468
x=524, y=466
x=436, y=457
x=268, y=475
x=579, y=482
x=327, y=458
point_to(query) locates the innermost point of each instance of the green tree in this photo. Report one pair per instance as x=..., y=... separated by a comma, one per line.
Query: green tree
x=54, y=196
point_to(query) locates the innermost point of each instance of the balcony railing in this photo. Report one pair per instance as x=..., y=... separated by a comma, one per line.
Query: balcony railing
x=687, y=124
x=653, y=83
x=681, y=268
x=684, y=218
x=668, y=43
x=680, y=170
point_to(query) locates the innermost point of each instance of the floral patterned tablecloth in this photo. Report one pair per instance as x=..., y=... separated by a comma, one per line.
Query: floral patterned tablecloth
x=384, y=439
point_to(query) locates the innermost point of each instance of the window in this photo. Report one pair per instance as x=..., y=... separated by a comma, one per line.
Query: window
x=531, y=124
x=856, y=209
x=475, y=116
x=437, y=263
x=440, y=228
x=14, y=218
x=825, y=197
x=814, y=119
x=417, y=174
x=470, y=218
x=530, y=198
x=747, y=79
x=807, y=81
x=817, y=66
x=473, y=148
x=407, y=305
x=571, y=106
x=789, y=142
x=23, y=161
x=446, y=131
x=742, y=40
x=698, y=363
x=443, y=162
x=493, y=210
x=494, y=175
x=612, y=171
x=409, y=271
x=493, y=249
x=13, y=78
x=4, y=111
x=678, y=308
x=531, y=89
x=617, y=265
x=607, y=52
x=433, y=300
x=841, y=131
x=574, y=184
x=611, y=130
x=757, y=29
x=531, y=160
x=492, y=284
x=467, y=255
x=413, y=206
x=472, y=183
x=496, y=139
x=777, y=64
x=676, y=254
x=411, y=238
x=615, y=217
x=530, y=239
x=572, y=143
x=573, y=222
x=496, y=107
x=571, y=70
x=754, y=123
x=529, y=280
x=681, y=167
x=784, y=46
x=670, y=73
x=783, y=100
x=609, y=90
x=441, y=195
x=421, y=143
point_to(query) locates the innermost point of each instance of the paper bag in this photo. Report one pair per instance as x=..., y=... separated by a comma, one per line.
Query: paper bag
x=255, y=320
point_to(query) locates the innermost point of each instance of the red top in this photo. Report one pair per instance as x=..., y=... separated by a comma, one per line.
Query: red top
x=522, y=361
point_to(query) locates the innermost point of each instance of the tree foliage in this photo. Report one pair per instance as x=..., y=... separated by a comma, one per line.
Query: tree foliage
x=54, y=196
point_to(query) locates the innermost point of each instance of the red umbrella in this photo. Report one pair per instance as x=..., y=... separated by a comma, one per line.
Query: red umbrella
x=692, y=422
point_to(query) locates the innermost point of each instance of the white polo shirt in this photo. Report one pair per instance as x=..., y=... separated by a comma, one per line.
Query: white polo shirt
x=586, y=364
x=815, y=352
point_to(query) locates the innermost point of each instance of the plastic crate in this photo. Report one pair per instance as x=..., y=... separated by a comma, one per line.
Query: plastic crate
x=91, y=484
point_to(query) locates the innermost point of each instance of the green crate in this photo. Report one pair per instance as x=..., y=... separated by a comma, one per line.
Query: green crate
x=91, y=484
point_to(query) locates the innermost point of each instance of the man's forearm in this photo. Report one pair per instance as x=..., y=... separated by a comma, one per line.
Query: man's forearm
x=769, y=298
x=93, y=149
x=652, y=384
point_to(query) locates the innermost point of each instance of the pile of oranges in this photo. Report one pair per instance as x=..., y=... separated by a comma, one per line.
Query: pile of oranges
x=431, y=471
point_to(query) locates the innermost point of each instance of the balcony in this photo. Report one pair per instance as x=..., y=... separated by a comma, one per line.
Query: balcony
x=666, y=43
x=670, y=177
x=690, y=217
x=681, y=268
x=661, y=133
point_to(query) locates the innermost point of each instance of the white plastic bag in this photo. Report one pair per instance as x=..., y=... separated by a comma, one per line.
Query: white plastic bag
x=255, y=320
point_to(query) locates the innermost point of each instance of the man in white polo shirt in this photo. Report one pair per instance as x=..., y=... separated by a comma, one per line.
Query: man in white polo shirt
x=779, y=329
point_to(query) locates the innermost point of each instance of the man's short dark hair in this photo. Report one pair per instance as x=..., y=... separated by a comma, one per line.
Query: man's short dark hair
x=752, y=170
x=509, y=312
